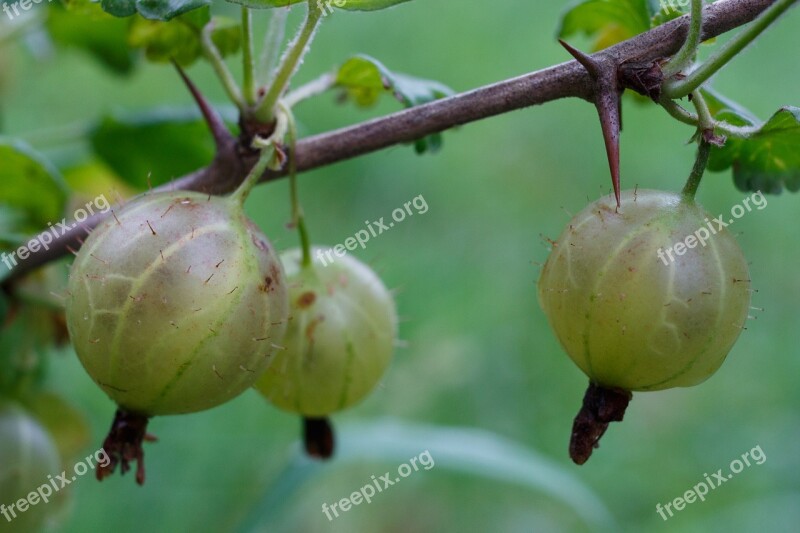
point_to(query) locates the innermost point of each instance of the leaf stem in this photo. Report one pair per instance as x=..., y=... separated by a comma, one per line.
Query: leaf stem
x=291, y=60
x=273, y=39
x=687, y=117
x=248, y=84
x=688, y=51
x=310, y=90
x=213, y=56
x=729, y=50
x=298, y=218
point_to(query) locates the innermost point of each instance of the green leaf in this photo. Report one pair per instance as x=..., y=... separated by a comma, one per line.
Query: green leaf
x=152, y=9
x=609, y=21
x=84, y=25
x=767, y=161
x=119, y=8
x=31, y=185
x=325, y=5
x=162, y=143
x=364, y=79
x=266, y=4
x=362, y=5
x=180, y=38
x=467, y=451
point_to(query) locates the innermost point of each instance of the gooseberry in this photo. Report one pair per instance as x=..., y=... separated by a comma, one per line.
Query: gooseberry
x=629, y=317
x=175, y=305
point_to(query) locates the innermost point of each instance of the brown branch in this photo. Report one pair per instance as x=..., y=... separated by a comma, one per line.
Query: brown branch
x=570, y=79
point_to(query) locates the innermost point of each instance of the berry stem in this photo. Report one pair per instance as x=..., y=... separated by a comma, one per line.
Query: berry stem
x=298, y=218
x=703, y=153
x=705, y=134
x=729, y=50
x=294, y=56
x=601, y=406
x=267, y=159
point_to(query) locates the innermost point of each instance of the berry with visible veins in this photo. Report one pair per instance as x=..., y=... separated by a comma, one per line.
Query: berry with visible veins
x=176, y=304
x=630, y=318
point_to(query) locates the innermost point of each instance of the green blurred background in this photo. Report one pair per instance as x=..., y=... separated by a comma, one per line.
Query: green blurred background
x=479, y=352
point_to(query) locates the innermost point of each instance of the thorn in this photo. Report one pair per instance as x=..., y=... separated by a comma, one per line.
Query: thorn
x=168, y=210
x=209, y=278
x=586, y=61
x=216, y=125
x=151, y=227
x=218, y=264
x=236, y=287
x=608, y=100
x=115, y=217
x=72, y=250
x=149, y=183
x=95, y=257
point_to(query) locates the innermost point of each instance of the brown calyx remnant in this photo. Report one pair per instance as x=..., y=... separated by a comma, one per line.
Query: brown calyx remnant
x=318, y=437
x=601, y=406
x=124, y=444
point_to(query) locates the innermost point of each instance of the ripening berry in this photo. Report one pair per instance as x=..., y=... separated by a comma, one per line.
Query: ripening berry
x=340, y=338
